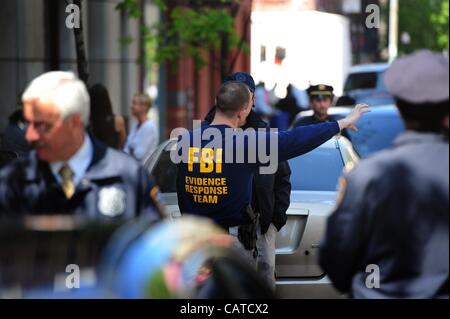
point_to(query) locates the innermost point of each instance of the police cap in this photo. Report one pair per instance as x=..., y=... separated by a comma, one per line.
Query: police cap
x=419, y=78
x=320, y=91
x=242, y=77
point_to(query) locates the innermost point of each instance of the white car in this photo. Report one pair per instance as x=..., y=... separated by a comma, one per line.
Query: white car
x=314, y=189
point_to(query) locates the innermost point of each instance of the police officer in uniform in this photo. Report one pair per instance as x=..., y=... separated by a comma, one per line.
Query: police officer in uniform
x=216, y=184
x=270, y=193
x=69, y=171
x=388, y=236
x=321, y=99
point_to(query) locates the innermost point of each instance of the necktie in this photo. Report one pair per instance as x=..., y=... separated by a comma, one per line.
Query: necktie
x=68, y=186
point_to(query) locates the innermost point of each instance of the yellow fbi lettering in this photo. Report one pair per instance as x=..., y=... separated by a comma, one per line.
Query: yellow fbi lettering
x=209, y=160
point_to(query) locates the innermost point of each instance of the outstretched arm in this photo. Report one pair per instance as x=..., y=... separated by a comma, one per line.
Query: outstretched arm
x=304, y=139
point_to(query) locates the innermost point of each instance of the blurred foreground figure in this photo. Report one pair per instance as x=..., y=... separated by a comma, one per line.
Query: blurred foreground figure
x=42, y=256
x=388, y=237
x=69, y=171
x=189, y=257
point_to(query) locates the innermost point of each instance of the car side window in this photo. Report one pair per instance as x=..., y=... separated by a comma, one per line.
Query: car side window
x=361, y=81
x=376, y=134
x=318, y=170
x=165, y=173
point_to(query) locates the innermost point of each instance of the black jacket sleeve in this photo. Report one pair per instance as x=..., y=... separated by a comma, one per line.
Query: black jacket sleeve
x=282, y=189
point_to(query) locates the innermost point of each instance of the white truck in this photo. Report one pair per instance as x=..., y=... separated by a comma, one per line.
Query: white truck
x=316, y=48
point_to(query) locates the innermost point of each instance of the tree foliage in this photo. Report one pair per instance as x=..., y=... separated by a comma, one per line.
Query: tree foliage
x=192, y=28
x=426, y=21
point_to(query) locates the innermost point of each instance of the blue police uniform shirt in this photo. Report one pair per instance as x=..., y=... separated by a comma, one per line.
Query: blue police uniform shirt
x=114, y=186
x=78, y=163
x=209, y=186
x=392, y=212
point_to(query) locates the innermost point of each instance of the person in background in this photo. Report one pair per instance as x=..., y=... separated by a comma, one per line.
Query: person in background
x=302, y=98
x=262, y=102
x=289, y=105
x=107, y=127
x=143, y=137
x=321, y=98
x=14, y=134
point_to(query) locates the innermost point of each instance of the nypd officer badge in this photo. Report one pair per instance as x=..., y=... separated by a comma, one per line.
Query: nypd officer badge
x=111, y=201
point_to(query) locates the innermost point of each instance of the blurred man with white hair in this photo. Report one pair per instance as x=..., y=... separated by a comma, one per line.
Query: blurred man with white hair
x=70, y=172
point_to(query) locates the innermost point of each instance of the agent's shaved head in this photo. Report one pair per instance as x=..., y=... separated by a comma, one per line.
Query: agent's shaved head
x=233, y=96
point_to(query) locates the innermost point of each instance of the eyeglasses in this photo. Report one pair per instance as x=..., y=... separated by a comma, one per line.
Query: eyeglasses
x=41, y=127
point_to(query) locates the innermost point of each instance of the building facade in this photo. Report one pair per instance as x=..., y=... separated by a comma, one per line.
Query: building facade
x=189, y=93
x=36, y=39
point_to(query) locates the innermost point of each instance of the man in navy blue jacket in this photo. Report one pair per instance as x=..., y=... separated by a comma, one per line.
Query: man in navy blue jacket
x=270, y=194
x=217, y=161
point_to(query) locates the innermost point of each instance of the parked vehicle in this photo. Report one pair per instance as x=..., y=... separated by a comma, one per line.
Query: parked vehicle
x=314, y=190
x=365, y=84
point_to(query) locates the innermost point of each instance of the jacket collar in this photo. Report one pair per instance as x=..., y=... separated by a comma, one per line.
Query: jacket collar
x=253, y=119
x=99, y=168
x=415, y=137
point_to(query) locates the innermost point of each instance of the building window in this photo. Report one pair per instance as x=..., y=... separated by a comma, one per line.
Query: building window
x=280, y=54
x=263, y=53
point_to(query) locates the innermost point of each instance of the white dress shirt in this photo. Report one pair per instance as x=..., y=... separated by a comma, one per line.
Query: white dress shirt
x=142, y=141
x=78, y=163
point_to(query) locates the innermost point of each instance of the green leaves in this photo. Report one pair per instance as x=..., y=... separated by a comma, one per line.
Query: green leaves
x=439, y=19
x=200, y=30
x=190, y=31
x=427, y=23
x=130, y=7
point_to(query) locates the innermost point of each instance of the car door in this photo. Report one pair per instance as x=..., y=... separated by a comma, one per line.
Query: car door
x=163, y=169
x=314, y=182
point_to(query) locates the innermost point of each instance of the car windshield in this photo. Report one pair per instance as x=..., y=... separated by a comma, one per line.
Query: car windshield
x=361, y=81
x=318, y=170
x=376, y=133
